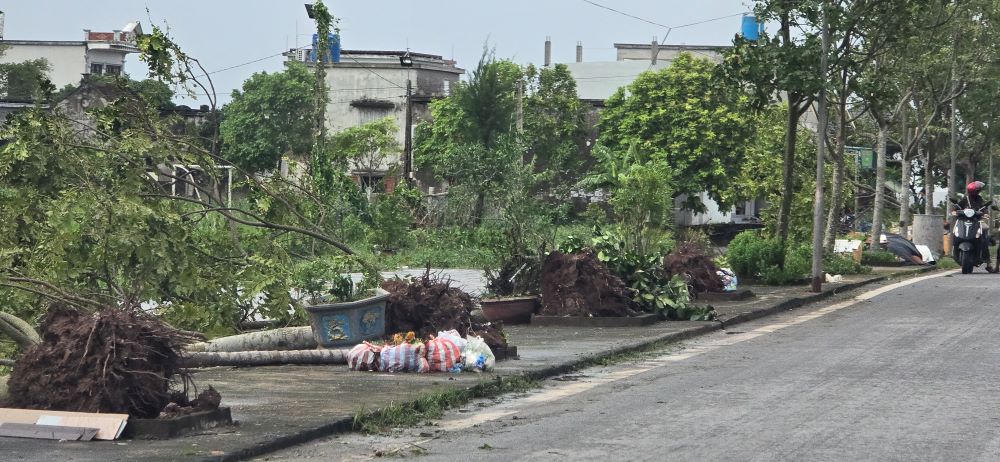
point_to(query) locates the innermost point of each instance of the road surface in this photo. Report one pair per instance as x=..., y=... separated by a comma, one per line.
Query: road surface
x=911, y=373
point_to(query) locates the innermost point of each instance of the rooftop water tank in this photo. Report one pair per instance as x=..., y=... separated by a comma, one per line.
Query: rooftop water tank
x=751, y=29
x=334, y=41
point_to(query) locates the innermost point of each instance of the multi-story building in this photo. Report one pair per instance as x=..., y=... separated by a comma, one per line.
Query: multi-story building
x=69, y=60
x=368, y=85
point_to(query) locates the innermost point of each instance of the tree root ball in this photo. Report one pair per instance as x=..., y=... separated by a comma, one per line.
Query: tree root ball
x=425, y=306
x=698, y=270
x=580, y=285
x=116, y=360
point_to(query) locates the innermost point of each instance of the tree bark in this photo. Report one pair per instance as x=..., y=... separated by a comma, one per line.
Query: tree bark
x=285, y=338
x=929, y=180
x=879, y=207
x=839, y=170
x=904, y=180
x=261, y=358
x=787, y=172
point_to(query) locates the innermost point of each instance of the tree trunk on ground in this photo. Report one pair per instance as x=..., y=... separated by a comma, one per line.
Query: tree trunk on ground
x=261, y=358
x=879, y=206
x=18, y=330
x=787, y=172
x=285, y=338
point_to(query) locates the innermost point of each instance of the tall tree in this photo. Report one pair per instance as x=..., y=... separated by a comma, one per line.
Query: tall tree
x=686, y=117
x=270, y=117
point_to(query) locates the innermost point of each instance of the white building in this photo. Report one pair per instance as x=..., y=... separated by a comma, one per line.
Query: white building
x=69, y=60
x=368, y=85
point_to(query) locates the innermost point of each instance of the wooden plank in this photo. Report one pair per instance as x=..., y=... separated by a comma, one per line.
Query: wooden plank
x=47, y=432
x=109, y=426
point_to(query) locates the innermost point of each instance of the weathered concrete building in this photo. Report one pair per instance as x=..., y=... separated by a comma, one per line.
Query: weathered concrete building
x=368, y=85
x=99, y=53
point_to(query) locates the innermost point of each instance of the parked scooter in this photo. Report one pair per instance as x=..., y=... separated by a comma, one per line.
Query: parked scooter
x=967, y=237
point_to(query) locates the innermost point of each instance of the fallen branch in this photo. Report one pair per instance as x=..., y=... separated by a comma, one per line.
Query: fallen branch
x=261, y=358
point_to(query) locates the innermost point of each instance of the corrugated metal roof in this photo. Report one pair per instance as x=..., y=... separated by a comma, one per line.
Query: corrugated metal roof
x=599, y=80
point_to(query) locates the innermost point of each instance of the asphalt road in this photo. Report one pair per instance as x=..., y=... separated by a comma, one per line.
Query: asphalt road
x=908, y=374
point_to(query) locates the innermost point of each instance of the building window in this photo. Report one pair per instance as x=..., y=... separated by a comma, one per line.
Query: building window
x=371, y=114
x=112, y=69
x=371, y=183
x=96, y=69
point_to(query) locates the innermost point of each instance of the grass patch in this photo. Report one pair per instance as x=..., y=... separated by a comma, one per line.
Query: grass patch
x=947, y=263
x=433, y=405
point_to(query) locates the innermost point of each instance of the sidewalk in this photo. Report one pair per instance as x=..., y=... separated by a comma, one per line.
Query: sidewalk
x=280, y=406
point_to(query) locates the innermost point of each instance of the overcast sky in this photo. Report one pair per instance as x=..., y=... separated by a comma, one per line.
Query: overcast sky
x=227, y=33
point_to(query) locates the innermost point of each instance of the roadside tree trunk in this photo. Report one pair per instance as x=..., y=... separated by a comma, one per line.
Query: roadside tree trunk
x=788, y=169
x=839, y=170
x=261, y=358
x=879, y=206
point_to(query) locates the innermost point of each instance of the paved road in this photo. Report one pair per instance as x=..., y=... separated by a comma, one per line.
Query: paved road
x=909, y=374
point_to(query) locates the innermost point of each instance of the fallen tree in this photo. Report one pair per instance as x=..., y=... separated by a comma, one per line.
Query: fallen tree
x=262, y=358
x=118, y=359
x=284, y=338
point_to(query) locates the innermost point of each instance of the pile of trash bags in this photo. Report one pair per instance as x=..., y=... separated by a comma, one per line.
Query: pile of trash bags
x=445, y=352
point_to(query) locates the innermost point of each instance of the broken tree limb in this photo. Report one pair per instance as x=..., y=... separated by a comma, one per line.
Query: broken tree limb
x=285, y=338
x=6, y=362
x=261, y=358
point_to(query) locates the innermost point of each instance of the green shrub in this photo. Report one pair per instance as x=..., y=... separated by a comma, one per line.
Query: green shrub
x=392, y=215
x=750, y=254
x=798, y=264
x=840, y=264
x=879, y=258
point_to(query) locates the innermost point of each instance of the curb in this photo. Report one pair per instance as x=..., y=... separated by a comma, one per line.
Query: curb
x=346, y=425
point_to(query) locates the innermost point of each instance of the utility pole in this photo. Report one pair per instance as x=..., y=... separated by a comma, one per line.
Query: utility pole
x=408, y=136
x=817, y=255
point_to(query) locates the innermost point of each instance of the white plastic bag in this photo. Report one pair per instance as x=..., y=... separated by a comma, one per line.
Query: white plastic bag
x=455, y=338
x=478, y=356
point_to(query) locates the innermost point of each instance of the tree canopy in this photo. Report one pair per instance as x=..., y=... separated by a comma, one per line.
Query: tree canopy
x=686, y=117
x=272, y=116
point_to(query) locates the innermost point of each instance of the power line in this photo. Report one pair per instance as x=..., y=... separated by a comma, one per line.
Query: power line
x=668, y=28
x=376, y=73
x=626, y=14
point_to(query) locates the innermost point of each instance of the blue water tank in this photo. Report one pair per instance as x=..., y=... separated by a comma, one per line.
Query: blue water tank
x=334, y=42
x=751, y=29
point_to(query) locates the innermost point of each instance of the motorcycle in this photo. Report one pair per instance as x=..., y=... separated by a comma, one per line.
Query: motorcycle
x=967, y=237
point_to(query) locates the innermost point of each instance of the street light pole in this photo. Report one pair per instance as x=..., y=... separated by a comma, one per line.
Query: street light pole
x=817, y=255
x=408, y=136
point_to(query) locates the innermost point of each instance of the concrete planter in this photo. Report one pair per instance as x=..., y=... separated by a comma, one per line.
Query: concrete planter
x=510, y=310
x=348, y=323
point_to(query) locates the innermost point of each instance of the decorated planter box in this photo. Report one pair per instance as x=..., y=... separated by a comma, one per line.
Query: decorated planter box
x=348, y=323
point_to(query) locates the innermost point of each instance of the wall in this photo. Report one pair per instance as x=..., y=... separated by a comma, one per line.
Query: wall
x=643, y=52
x=383, y=83
x=67, y=60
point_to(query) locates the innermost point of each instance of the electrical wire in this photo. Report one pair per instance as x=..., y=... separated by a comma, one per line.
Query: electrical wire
x=668, y=28
x=376, y=73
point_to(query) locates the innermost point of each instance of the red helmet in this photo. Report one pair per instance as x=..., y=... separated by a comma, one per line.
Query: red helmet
x=974, y=187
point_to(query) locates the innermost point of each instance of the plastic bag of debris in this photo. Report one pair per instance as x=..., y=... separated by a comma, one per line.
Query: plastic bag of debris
x=406, y=357
x=455, y=338
x=478, y=356
x=442, y=354
x=729, y=280
x=364, y=357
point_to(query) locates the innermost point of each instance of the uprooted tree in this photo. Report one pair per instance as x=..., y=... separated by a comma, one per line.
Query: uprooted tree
x=117, y=211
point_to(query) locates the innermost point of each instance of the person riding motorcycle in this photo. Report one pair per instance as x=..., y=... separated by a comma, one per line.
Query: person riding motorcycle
x=974, y=200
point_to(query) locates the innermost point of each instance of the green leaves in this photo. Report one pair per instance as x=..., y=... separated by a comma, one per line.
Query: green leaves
x=685, y=117
x=271, y=117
